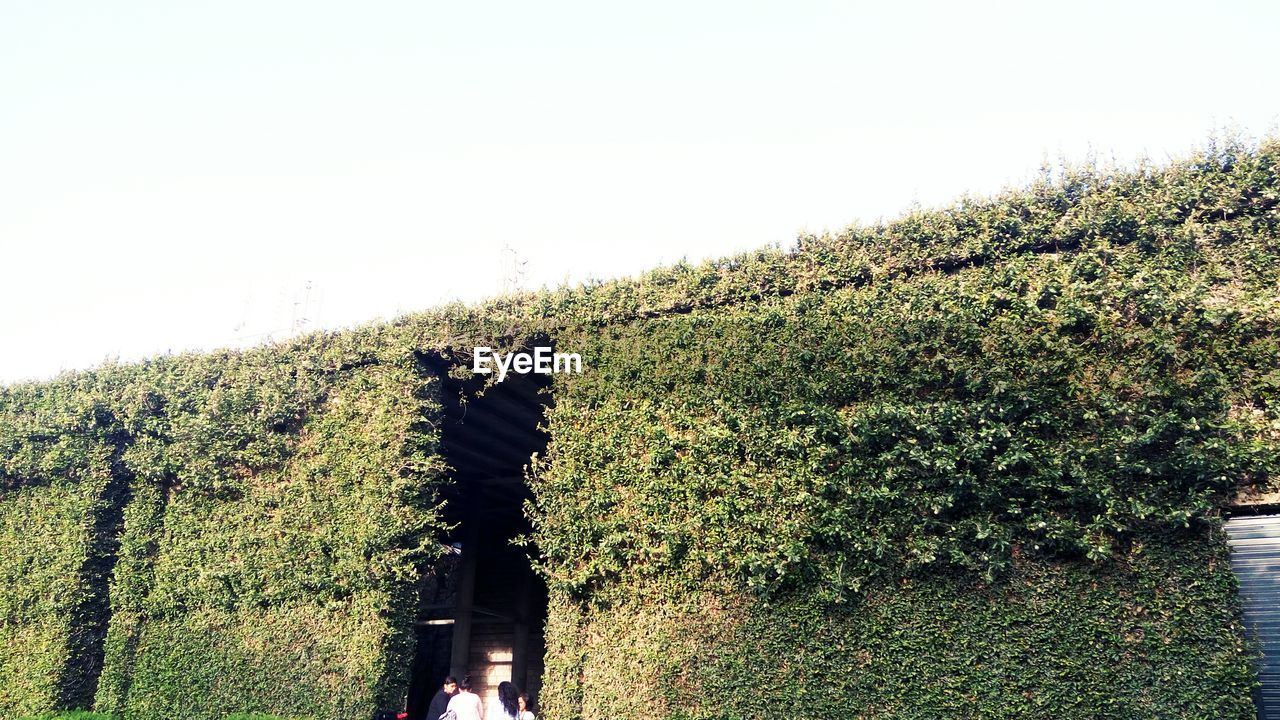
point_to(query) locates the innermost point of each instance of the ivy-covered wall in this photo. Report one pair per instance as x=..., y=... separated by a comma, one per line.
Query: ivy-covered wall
x=270, y=514
x=1151, y=635
x=58, y=494
x=979, y=484
x=966, y=464
x=300, y=500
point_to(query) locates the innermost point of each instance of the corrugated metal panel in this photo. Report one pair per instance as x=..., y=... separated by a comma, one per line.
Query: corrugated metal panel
x=1255, y=557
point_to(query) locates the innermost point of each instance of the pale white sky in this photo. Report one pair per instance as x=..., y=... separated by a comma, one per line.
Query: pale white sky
x=196, y=175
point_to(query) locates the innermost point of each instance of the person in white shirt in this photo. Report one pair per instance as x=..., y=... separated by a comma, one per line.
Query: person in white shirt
x=466, y=704
x=508, y=705
x=525, y=712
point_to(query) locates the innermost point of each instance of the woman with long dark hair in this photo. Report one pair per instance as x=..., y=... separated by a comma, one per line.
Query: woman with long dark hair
x=508, y=705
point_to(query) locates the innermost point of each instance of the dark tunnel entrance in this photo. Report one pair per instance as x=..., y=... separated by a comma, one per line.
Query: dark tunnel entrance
x=482, y=607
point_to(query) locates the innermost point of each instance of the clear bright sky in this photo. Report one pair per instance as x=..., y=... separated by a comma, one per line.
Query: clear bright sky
x=183, y=175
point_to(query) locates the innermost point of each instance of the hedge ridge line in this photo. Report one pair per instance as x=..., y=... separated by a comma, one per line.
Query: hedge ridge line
x=1227, y=189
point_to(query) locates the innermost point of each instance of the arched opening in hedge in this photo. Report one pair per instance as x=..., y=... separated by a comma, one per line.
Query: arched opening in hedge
x=483, y=607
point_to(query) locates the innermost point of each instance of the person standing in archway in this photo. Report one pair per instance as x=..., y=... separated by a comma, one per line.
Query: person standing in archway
x=508, y=705
x=526, y=712
x=440, y=702
x=465, y=705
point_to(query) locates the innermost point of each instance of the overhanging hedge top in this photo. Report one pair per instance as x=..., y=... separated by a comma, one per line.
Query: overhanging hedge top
x=1222, y=191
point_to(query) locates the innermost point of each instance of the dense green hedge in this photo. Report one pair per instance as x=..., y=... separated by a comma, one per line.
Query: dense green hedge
x=1046, y=402
x=57, y=494
x=299, y=502
x=1037, y=394
x=87, y=715
x=265, y=515
x=1152, y=634
x=965, y=464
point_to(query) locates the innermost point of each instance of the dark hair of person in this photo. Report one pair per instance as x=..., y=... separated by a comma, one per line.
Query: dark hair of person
x=528, y=704
x=451, y=680
x=509, y=696
x=465, y=684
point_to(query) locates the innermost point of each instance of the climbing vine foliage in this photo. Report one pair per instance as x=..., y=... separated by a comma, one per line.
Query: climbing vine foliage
x=992, y=444
x=969, y=463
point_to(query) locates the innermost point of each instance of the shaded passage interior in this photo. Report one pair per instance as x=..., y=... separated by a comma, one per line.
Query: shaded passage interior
x=482, y=606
